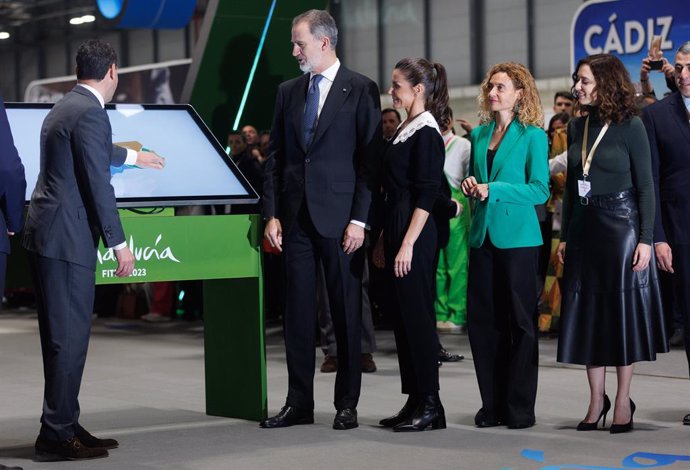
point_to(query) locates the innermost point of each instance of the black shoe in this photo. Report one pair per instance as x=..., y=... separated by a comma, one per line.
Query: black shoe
x=93, y=442
x=627, y=427
x=677, y=340
x=403, y=415
x=483, y=420
x=345, y=419
x=71, y=449
x=686, y=420
x=288, y=416
x=584, y=426
x=521, y=424
x=445, y=356
x=429, y=413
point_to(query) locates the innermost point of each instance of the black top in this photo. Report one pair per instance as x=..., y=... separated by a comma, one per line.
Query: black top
x=415, y=166
x=490, y=155
x=622, y=161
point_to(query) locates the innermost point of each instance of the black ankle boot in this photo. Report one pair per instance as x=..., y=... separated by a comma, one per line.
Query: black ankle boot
x=403, y=415
x=429, y=413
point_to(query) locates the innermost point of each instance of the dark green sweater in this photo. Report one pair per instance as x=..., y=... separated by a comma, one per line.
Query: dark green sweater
x=622, y=161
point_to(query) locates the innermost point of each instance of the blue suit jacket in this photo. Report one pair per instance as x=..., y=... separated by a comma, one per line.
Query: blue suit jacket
x=337, y=174
x=12, y=183
x=668, y=131
x=73, y=204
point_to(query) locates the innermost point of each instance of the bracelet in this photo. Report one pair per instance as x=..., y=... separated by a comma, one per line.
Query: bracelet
x=645, y=80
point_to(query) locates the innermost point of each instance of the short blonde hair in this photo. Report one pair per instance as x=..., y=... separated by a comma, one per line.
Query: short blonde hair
x=529, y=104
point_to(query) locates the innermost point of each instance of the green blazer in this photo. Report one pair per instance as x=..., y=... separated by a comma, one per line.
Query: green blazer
x=518, y=181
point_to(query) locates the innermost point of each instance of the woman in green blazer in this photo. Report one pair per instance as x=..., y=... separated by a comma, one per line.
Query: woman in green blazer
x=509, y=175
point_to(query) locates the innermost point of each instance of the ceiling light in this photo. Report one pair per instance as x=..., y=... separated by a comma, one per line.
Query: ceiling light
x=4, y=35
x=76, y=21
x=88, y=18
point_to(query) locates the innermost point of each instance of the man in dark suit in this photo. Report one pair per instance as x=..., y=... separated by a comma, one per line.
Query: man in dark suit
x=12, y=191
x=319, y=176
x=668, y=128
x=72, y=207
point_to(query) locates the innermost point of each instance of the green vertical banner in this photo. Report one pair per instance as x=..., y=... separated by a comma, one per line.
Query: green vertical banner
x=224, y=61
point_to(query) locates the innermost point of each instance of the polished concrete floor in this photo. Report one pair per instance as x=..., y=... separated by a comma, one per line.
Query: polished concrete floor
x=144, y=385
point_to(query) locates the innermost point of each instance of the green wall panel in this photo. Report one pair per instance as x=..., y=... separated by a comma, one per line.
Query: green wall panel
x=226, y=60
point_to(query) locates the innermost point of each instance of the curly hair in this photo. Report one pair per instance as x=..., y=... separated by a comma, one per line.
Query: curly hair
x=530, y=111
x=615, y=93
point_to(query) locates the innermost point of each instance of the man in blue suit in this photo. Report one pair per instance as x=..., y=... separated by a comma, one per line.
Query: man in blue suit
x=319, y=177
x=12, y=191
x=73, y=207
x=668, y=128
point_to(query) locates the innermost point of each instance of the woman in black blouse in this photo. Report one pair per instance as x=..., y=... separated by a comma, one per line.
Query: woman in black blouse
x=413, y=169
x=611, y=311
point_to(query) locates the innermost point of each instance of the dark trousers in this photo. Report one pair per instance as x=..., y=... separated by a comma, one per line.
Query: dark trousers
x=3, y=271
x=326, y=330
x=502, y=328
x=64, y=300
x=413, y=314
x=681, y=288
x=304, y=247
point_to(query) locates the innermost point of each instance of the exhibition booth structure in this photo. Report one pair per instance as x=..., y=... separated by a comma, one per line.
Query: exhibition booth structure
x=222, y=250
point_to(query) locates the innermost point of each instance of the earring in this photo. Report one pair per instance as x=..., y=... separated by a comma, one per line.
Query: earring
x=516, y=107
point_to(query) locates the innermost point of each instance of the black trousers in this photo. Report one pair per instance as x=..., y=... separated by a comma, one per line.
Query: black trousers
x=681, y=288
x=64, y=300
x=502, y=328
x=412, y=310
x=304, y=247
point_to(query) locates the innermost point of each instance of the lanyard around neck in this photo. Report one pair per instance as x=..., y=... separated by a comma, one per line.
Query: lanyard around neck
x=587, y=158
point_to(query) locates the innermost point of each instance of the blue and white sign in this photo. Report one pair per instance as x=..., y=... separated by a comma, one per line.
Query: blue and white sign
x=625, y=28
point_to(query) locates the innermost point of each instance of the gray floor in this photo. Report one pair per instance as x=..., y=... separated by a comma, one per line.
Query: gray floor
x=144, y=385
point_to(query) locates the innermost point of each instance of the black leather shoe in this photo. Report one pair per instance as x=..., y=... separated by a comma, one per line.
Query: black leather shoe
x=345, y=419
x=403, y=415
x=288, y=416
x=93, y=442
x=521, y=424
x=445, y=356
x=686, y=420
x=483, y=420
x=429, y=413
x=71, y=449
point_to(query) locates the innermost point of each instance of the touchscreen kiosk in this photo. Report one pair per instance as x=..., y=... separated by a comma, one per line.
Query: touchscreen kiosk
x=197, y=169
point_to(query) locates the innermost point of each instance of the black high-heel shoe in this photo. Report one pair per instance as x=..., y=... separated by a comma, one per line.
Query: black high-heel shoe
x=627, y=427
x=585, y=426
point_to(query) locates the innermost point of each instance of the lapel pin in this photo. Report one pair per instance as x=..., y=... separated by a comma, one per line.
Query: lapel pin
x=344, y=90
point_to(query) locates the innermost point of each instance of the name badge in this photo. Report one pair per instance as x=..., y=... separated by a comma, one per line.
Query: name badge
x=584, y=190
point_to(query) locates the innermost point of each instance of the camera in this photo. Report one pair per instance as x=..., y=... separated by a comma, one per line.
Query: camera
x=656, y=64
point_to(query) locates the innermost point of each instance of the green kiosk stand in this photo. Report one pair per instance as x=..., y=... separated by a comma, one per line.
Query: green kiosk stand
x=224, y=251
x=221, y=250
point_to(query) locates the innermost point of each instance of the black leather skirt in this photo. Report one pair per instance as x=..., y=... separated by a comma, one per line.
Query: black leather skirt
x=610, y=314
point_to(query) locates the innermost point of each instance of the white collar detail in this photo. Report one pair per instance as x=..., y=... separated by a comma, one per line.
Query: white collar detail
x=422, y=120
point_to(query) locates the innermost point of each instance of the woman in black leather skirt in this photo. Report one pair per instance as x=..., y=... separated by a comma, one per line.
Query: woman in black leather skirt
x=611, y=312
